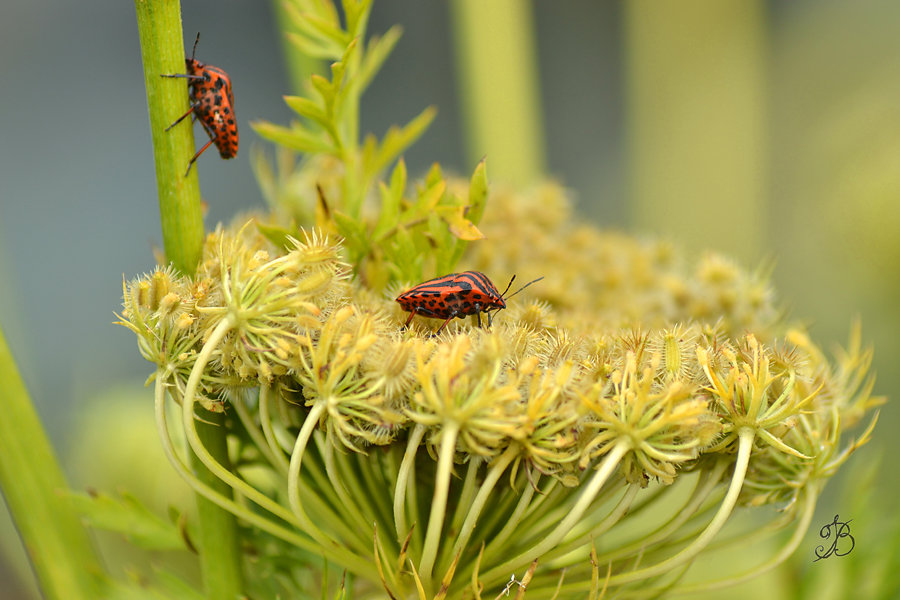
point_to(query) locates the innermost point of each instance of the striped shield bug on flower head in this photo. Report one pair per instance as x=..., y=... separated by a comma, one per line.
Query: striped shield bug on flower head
x=456, y=295
x=212, y=103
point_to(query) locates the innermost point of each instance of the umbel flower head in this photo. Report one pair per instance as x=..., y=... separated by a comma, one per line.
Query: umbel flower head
x=422, y=463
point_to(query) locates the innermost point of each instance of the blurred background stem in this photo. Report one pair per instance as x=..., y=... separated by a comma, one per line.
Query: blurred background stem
x=162, y=50
x=695, y=99
x=497, y=70
x=61, y=552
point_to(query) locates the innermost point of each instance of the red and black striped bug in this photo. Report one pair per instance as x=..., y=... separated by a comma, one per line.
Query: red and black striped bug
x=456, y=295
x=212, y=104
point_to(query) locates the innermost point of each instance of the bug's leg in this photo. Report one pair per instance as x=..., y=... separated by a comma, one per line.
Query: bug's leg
x=181, y=118
x=412, y=313
x=478, y=315
x=183, y=76
x=209, y=130
x=196, y=156
x=441, y=328
x=490, y=319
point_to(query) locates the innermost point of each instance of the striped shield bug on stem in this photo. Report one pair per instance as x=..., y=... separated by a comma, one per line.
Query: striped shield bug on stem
x=212, y=103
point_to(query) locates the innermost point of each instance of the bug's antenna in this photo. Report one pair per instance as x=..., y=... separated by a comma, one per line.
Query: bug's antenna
x=194, y=51
x=520, y=289
x=508, y=285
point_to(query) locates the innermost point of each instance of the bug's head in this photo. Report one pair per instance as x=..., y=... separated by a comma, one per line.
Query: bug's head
x=192, y=67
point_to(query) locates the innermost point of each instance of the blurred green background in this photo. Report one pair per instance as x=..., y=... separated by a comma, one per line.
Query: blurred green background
x=766, y=130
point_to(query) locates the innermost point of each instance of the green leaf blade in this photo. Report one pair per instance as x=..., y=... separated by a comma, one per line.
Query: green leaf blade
x=294, y=138
x=127, y=516
x=397, y=140
x=376, y=54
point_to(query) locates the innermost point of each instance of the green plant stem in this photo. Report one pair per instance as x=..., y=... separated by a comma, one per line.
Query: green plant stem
x=162, y=50
x=555, y=511
x=181, y=216
x=265, y=395
x=58, y=545
x=326, y=503
x=366, y=480
x=294, y=498
x=402, y=489
x=465, y=496
x=256, y=434
x=222, y=570
x=510, y=526
x=353, y=510
x=439, y=500
x=758, y=534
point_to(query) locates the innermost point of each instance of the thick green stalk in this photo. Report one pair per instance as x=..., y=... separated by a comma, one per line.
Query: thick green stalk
x=499, y=87
x=402, y=489
x=58, y=545
x=439, y=501
x=162, y=50
x=219, y=536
